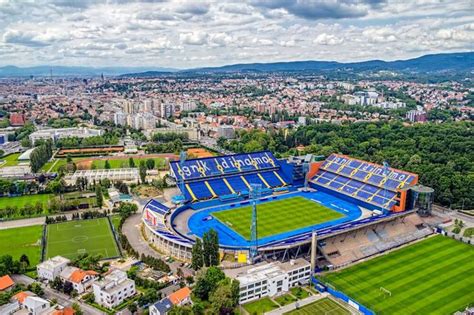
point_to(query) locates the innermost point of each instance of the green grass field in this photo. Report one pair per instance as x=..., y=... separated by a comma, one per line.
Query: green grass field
x=123, y=163
x=285, y=299
x=434, y=276
x=260, y=306
x=299, y=293
x=115, y=219
x=11, y=160
x=277, y=217
x=69, y=239
x=21, y=201
x=323, y=306
x=22, y=240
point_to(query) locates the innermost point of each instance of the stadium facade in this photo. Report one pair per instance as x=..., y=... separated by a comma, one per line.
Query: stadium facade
x=367, y=196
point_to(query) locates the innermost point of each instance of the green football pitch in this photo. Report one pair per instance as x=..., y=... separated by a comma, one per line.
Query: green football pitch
x=434, y=276
x=72, y=238
x=277, y=217
x=22, y=240
x=323, y=306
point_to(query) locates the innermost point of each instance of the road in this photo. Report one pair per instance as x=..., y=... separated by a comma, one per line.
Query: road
x=131, y=229
x=63, y=299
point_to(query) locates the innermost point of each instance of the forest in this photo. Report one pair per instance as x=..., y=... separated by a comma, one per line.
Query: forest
x=441, y=154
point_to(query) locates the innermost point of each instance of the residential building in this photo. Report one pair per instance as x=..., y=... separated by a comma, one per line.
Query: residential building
x=52, y=268
x=10, y=308
x=181, y=297
x=160, y=308
x=113, y=289
x=81, y=280
x=166, y=110
x=226, y=131
x=270, y=279
x=17, y=119
x=416, y=116
x=32, y=303
x=6, y=283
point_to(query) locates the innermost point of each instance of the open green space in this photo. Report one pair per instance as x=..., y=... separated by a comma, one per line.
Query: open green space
x=72, y=238
x=260, y=306
x=434, y=276
x=115, y=219
x=21, y=201
x=323, y=306
x=11, y=160
x=285, y=299
x=47, y=166
x=22, y=240
x=124, y=162
x=299, y=293
x=277, y=217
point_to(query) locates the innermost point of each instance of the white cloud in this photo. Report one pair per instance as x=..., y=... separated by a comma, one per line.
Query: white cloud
x=194, y=38
x=328, y=39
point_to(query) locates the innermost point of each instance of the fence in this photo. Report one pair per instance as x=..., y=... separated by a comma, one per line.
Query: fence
x=320, y=286
x=459, y=237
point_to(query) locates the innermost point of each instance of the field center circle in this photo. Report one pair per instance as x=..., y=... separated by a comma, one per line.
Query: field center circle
x=79, y=239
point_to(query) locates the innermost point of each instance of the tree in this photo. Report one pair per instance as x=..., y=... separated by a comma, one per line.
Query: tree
x=206, y=282
x=150, y=164
x=107, y=165
x=142, y=171
x=197, y=255
x=211, y=248
x=68, y=287
x=133, y=308
x=77, y=309
x=25, y=259
x=131, y=162
x=223, y=299
x=99, y=196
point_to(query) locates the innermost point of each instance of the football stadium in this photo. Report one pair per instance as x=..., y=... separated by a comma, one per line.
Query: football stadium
x=267, y=208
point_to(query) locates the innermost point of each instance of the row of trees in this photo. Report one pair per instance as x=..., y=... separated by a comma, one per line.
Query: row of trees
x=40, y=155
x=10, y=266
x=75, y=142
x=169, y=136
x=172, y=146
x=441, y=154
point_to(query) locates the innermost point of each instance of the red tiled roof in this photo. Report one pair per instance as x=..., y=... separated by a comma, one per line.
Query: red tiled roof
x=180, y=295
x=6, y=282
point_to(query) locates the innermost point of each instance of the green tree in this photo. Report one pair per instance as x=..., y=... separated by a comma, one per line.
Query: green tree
x=150, y=164
x=142, y=171
x=131, y=162
x=197, y=255
x=99, y=196
x=211, y=248
x=107, y=165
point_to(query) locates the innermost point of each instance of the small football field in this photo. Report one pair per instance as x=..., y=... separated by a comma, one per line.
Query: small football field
x=22, y=240
x=433, y=276
x=277, y=217
x=323, y=306
x=72, y=238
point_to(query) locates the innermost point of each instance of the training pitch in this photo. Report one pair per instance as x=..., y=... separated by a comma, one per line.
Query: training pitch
x=434, y=276
x=323, y=306
x=72, y=238
x=277, y=217
x=22, y=240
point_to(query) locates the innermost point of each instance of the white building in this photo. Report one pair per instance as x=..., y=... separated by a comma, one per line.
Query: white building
x=226, y=131
x=52, y=268
x=270, y=279
x=55, y=134
x=81, y=280
x=34, y=305
x=166, y=110
x=113, y=289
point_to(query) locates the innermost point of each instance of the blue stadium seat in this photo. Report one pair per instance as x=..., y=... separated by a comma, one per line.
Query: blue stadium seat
x=219, y=187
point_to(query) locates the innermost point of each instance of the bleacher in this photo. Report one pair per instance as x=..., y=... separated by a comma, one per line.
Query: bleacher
x=228, y=176
x=362, y=180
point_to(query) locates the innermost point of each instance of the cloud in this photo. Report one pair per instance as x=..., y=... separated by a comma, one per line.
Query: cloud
x=30, y=39
x=321, y=9
x=327, y=39
x=194, y=38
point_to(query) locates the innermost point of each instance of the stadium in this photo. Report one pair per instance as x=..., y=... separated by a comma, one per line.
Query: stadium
x=268, y=208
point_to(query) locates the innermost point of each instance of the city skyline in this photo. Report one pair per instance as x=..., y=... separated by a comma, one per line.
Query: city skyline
x=185, y=34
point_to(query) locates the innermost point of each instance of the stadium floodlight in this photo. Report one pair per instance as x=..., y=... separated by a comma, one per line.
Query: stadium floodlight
x=255, y=193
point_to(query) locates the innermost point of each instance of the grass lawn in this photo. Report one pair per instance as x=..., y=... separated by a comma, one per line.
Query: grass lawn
x=63, y=162
x=115, y=219
x=469, y=232
x=11, y=160
x=285, y=299
x=277, y=217
x=260, y=306
x=22, y=240
x=434, y=276
x=47, y=166
x=123, y=163
x=69, y=239
x=21, y=201
x=323, y=306
x=299, y=293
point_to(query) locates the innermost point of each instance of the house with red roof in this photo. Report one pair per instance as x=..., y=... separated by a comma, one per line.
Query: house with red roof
x=6, y=283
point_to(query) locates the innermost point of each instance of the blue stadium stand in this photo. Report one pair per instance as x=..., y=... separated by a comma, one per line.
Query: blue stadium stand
x=229, y=176
x=362, y=180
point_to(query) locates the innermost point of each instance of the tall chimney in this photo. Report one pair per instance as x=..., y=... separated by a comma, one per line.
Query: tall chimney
x=314, y=248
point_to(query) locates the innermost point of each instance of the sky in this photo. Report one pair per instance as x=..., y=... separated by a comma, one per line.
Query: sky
x=187, y=34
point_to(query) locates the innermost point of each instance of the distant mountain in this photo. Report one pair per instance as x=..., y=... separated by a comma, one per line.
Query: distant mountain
x=12, y=71
x=427, y=63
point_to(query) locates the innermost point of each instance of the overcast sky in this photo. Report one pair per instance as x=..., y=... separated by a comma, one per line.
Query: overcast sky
x=183, y=34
